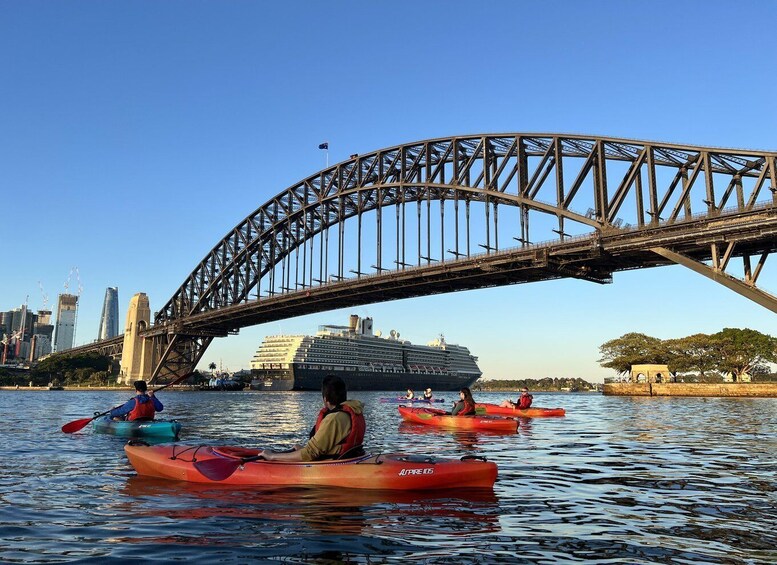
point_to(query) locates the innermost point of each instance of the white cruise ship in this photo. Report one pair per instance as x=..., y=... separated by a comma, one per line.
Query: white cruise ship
x=363, y=359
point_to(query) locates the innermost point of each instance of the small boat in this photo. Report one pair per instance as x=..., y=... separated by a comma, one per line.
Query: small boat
x=440, y=418
x=535, y=412
x=137, y=428
x=390, y=471
x=403, y=400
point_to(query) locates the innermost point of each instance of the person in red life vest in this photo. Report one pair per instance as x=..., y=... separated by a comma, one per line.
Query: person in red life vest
x=523, y=402
x=339, y=428
x=142, y=407
x=466, y=405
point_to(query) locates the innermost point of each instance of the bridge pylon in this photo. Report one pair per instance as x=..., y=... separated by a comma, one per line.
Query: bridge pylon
x=137, y=360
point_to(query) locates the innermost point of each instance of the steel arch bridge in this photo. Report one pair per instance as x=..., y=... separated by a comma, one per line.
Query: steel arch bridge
x=457, y=213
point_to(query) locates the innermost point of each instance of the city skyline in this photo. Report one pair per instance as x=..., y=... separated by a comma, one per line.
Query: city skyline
x=166, y=143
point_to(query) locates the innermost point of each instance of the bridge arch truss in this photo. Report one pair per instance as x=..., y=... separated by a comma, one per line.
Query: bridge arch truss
x=526, y=206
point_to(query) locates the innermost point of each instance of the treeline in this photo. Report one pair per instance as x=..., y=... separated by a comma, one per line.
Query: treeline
x=732, y=350
x=86, y=369
x=551, y=384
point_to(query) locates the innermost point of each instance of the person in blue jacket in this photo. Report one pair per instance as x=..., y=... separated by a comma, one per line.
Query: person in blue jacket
x=142, y=407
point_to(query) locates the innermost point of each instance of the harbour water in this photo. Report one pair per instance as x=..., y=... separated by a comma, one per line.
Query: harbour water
x=618, y=480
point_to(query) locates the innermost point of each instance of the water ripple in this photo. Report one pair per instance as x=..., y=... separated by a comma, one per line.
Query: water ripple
x=618, y=480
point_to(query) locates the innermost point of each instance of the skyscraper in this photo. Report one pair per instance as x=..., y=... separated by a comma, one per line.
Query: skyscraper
x=65, y=329
x=109, y=321
x=43, y=331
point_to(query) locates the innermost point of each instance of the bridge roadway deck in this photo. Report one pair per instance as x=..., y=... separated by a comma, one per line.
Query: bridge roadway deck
x=591, y=257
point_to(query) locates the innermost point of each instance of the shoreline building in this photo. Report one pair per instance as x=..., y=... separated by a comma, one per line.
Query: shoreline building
x=109, y=321
x=25, y=336
x=65, y=328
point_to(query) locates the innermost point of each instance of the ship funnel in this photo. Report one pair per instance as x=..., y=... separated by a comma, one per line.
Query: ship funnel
x=353, y=322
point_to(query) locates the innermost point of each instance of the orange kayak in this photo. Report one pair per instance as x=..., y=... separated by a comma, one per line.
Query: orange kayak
x=440, y=418
x=384, y=471
x=514, y=412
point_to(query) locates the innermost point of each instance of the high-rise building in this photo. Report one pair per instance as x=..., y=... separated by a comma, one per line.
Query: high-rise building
x=65, y=328
x=109, y=321
x=43, y=331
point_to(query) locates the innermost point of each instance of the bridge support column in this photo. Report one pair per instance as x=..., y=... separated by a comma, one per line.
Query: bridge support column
x=137, y=353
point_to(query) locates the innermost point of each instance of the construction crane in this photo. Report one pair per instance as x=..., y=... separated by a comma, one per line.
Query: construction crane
x=9, y=341
x=73, y=271
x=45, y=296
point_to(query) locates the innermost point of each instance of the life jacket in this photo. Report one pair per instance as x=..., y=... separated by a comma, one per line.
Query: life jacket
x=524, y=402
x=468, y=409
x=142, y=410
x=358, y=427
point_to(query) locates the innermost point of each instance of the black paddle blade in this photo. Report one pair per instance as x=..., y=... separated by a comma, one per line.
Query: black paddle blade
x=217, y=469
x=76, y=425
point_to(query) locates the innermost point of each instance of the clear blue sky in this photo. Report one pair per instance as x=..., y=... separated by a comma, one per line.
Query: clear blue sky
x=135, y=135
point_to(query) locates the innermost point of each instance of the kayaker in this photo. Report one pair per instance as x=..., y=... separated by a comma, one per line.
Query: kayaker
x=410, y=394
x=142, y=407
x=466, y=405
x=428, y=394
x=523, y=402
x=339, y=427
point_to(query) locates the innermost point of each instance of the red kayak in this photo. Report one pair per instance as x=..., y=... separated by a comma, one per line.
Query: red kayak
x=440, y=418
x=233, y=466
x=516, y=413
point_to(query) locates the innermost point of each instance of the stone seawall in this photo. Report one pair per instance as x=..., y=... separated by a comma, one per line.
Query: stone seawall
x=768, y=390
x=626, y=389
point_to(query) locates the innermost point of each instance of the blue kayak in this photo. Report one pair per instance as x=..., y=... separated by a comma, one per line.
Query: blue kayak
x=135, y=428
x=403, y=400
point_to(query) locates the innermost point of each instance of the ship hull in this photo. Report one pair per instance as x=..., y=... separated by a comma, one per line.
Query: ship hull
x=310, y=379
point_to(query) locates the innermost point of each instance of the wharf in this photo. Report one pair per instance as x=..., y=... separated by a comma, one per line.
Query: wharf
x=766, y=390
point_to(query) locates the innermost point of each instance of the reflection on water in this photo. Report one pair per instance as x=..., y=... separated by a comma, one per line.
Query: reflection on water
x=617, y=479
x=327, y=510
x=420, y=436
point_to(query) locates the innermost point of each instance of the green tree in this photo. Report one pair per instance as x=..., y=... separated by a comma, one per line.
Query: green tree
x=693, y=353
x=74, y=368
x=632, y=349
x=212, y=366
x=740, y=351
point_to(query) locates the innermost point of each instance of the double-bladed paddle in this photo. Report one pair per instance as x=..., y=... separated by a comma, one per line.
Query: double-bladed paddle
x=219, y=469
x=76, y=425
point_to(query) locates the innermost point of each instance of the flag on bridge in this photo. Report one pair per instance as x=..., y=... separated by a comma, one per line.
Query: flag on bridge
x=324, y=145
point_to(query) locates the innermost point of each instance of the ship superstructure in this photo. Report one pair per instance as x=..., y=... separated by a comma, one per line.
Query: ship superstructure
x=365, y=360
